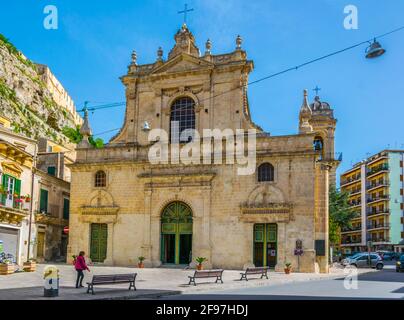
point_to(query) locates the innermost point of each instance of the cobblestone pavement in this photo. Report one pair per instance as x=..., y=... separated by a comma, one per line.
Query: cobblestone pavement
x=150, y=282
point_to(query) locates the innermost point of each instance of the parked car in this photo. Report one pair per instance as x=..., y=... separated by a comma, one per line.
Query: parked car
x=361, y=260
x=400, y=264
x=389, y=256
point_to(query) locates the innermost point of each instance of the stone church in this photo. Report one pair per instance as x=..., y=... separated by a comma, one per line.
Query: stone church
x=123, y=207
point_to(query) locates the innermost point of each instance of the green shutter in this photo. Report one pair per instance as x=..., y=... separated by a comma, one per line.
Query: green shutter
x=17, y=187
x=3, y=196
x=43, y=203
x=66, y=209
x=52, y=171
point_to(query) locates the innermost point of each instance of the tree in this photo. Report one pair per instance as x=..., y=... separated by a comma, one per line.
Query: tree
x=340, y=214
x=76, y=137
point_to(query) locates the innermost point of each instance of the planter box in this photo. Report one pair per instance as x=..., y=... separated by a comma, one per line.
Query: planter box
x=29, y=266
x=6, y=269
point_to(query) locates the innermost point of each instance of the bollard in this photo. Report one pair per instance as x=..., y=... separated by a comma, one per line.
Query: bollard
x=51, y=283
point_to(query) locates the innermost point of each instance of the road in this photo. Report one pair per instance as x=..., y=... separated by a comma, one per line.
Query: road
x=385, y=284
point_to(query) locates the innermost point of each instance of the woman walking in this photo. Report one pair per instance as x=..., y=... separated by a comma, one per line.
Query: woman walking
x=80, y=265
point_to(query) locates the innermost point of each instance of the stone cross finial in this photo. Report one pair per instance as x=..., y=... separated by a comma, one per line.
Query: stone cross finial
x=238, y=42
x=185, y=11
x=208, y=47
x=134, y=57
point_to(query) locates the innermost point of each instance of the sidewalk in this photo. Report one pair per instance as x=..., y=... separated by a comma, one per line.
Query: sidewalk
x=150, y=283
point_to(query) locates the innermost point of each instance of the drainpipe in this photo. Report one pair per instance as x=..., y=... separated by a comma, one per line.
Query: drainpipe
x=31, y=206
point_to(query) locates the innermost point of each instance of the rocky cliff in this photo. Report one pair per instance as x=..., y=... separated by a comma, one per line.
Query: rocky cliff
x=25, y=99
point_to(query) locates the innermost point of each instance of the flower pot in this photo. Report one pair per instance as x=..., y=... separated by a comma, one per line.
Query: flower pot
x=287, y=270
x=140, y=265
x=6, y=269
x=27, y=200
x=29, y=266
x=199, y=267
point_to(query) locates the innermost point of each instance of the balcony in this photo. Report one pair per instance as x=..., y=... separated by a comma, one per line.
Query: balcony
x=376, y=240
x=378, y=211
x=374, y=226
x=350, y=180
x=384, y=197
x=351, y=229
x=354, y=203
x=348, y=241
x=378, y=169
x=377, y=184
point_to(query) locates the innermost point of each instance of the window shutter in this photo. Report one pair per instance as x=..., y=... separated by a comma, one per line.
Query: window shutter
x=43, y=203
x=17, y=188
x=66, y=204
x=4, y=184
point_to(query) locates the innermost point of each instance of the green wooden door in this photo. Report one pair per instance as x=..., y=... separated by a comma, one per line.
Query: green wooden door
x=98, y=244
x=176, y=233
x=265, y=245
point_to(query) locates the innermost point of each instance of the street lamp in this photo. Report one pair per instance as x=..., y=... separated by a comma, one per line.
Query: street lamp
x=374, y=50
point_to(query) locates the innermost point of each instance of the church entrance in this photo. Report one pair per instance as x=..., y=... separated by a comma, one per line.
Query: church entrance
x=265, y=245
x=176, y=234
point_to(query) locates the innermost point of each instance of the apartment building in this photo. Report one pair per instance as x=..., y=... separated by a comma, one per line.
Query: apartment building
x=375, y=188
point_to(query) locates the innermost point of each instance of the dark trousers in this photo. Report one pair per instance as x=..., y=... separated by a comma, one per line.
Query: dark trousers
x=80, y=277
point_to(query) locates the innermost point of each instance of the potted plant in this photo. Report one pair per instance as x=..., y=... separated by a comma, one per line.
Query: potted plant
x=288, y=267
x=140, y=263
x=6, y=267
x=200, y=260
x=30, y=265
x=27, y=198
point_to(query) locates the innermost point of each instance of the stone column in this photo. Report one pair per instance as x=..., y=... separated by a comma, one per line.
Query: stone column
x=282, y=244
x=146, y=246
x=321, y=222
x=110, y=245
x=201, y=229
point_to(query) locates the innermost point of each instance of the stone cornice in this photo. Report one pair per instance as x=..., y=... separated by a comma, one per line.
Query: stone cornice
x=267, y=212
x=12, y=216
x=49, y=220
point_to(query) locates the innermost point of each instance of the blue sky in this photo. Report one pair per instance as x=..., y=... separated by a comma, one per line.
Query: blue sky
x=92, y=46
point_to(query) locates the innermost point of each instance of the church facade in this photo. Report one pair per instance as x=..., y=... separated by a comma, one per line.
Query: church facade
x=123, y=206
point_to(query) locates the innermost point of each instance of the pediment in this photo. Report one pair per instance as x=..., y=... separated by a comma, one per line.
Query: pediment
x=11, y=169
x=182, y=63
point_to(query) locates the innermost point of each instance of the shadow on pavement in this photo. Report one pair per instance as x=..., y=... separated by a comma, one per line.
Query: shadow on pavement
x=71, y=293
x=260, y=297
x=385, y=275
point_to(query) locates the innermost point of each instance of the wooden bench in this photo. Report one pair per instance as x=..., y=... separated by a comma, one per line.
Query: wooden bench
x=112, y=279
x=206, y=274
x=263, y=271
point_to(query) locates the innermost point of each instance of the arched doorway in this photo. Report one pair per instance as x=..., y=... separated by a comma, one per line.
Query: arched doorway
x=176, y=233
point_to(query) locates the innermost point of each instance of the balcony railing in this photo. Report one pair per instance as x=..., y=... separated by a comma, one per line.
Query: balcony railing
x=380, y=239
x=378, y=226
x=350, y=179
x=353, y=228
x=351, y=241
x=354, y=203
x=377, y=184
x=373, y=212
x=378, y=198
x=377, y=169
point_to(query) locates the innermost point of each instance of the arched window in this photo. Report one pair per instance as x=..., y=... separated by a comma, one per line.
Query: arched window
x=183, y=116
x=265, y=172
x=100, y=179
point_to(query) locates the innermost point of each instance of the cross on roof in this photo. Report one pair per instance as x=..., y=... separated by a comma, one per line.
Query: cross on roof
x=185, y=11
x=317, y=89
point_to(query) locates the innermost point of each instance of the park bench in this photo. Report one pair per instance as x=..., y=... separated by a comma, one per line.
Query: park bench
x=206, y=274
x=112, y=279
x=263, y=271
